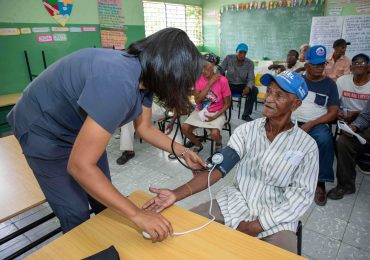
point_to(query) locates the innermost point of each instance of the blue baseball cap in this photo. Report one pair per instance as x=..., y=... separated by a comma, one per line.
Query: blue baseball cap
x=361, y=55
x=291, y=82
x=242, y=47
x=316, y=54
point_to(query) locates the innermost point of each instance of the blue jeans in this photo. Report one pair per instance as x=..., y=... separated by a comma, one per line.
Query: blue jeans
x=68, y=200
x=324, y=139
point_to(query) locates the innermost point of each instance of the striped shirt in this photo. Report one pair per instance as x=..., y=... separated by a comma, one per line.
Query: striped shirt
x=275, y=181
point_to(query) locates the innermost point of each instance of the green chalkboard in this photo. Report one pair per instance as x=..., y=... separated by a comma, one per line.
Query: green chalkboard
x=268, y=32
x=13, y=69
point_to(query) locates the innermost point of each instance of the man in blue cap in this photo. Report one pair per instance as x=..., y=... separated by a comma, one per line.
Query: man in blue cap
x=277, y=174
x=318, y=110
x=239, y=71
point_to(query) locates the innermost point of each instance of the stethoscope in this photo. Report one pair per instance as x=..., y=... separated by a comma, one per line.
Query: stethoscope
x=217, y=158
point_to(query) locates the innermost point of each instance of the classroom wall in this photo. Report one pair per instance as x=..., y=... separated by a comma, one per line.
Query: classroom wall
x=30, y=13
x=210, y=20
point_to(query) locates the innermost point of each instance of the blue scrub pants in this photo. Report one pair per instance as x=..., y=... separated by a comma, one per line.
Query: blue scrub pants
x=69, y=201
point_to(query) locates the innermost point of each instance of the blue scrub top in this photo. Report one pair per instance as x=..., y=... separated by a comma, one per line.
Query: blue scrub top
x=101, y=83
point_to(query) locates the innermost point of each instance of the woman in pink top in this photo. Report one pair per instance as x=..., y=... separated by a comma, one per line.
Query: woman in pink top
x=213, y=97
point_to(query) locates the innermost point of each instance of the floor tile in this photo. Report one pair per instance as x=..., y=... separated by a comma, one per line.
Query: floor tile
x=13, y=245
x=347, y=252
x=361, y=211
x=358, y=236
x=340, y=209
x=7, y=230
x=39, y=246
x=42, y=229
x=31, y=218
x=28, y=213
x=326, y=225
x=318, y=246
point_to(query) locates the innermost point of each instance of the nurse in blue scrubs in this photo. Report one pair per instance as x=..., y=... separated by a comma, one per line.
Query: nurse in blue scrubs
x=67, y=115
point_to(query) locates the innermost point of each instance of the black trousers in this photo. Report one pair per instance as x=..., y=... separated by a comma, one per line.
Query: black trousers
x=250, y=98
x=348, y=148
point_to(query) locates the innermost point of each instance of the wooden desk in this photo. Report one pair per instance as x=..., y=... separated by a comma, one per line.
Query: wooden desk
x=9, y=100
x=108, y=228
x=19, y=190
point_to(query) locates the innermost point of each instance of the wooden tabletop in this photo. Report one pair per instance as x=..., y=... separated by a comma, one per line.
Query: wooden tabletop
x=19, y=190
x=215, y=241
x=10, y=99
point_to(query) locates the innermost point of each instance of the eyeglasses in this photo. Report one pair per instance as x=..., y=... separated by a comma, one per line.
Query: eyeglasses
x=357, y=63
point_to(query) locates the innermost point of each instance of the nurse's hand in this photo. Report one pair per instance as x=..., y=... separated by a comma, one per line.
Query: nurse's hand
x=154, y=224
x=194, y=161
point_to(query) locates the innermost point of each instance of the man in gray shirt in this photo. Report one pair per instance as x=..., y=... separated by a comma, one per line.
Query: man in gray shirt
x=239, y=71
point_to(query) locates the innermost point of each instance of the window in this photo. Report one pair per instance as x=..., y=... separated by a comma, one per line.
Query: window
x=160, y=15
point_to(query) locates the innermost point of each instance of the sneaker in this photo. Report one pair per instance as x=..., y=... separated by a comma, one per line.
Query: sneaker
x=320, y=196
x=338, y=193
x=247, y=118
x=125, y=157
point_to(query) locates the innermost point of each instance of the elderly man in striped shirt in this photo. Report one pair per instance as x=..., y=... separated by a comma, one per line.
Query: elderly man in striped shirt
x=277, y=174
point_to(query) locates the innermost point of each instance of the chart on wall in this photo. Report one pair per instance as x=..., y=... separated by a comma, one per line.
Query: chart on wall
x=112, y=24
x=269, y=33
x=353, y=28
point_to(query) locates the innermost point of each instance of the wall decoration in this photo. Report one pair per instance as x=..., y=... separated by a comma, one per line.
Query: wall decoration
x=26, y=30
x=40, y=29
x=283, y=3
x=9, y=31
x=110, y=38
x=89, y=29
x=45, y=38
x=75, y=29
x=60, y=37
x=60, y=10
x=59, y=29
x=111, y=24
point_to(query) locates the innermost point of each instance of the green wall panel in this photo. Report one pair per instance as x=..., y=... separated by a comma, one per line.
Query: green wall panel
x=14, y=76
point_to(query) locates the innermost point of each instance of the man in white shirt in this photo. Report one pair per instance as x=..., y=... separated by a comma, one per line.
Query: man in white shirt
x=354, y=89
x=277, y=175
x=355, y=95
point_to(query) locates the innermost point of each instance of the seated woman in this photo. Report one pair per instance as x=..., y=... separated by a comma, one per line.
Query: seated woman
x=213, y=97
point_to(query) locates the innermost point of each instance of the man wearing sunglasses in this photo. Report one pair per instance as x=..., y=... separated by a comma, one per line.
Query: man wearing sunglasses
x=355, y=97
x=319, y=108
x=354, y=89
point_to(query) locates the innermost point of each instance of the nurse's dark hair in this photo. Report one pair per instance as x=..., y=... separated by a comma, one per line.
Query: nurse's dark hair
x=171, y=64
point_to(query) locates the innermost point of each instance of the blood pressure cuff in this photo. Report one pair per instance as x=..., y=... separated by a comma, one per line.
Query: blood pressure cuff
x=231, y=158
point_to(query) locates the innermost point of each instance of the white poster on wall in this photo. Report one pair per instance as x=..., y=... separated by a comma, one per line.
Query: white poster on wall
x=356, y=30
x=325, y=30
